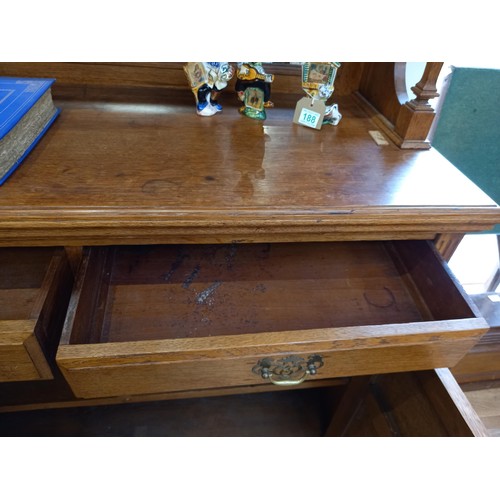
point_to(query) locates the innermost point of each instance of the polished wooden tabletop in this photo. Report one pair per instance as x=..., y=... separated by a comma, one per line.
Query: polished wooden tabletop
x=109, y=173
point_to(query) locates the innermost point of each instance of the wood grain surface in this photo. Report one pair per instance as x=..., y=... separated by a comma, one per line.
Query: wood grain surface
x=110, y=173
x=175, y=318
x=128, y=161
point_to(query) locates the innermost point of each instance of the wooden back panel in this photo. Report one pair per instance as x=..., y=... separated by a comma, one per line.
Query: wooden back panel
x=381, y=88
x=384, y=85
x=150, y=81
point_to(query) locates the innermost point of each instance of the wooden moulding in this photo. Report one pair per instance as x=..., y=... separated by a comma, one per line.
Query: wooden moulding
x=35, y=286
x=178, y=318
x=417, y=127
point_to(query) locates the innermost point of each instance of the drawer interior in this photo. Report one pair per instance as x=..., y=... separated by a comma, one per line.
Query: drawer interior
x=129, y=293
x=22, y=271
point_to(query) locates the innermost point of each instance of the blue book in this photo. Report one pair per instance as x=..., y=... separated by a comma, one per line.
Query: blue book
x=26, y=113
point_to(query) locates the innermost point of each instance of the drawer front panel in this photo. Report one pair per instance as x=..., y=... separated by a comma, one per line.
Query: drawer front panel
x=35, y=286
x=94, y=380
x=16, y=364
x=21, y=357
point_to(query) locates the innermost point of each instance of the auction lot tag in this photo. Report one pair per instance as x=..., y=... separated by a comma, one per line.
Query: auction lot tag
x=309, y=112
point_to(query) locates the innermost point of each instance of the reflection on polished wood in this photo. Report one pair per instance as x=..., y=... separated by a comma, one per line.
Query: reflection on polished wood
x=114, y=173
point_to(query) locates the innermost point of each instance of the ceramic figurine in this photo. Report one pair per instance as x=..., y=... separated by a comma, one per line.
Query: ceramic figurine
x=207, y=80
x=332, y=115
x=253, y=86
x=318, y=83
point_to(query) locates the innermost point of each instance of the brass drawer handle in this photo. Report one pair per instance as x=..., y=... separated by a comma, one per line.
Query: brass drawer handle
x=291, y=370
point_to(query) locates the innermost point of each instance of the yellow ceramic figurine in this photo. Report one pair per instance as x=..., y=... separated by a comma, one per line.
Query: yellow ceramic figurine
x=253, y=86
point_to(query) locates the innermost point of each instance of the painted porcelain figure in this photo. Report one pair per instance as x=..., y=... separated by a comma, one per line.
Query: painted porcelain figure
x=332, y=115
x=207, y=80
x=253, y=86
x=318, y=82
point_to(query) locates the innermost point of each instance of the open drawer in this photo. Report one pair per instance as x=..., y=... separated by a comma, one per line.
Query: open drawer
x=155, y=319
x=35, y=286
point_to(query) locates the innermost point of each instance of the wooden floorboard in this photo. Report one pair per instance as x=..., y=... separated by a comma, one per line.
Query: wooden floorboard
x=486, y=402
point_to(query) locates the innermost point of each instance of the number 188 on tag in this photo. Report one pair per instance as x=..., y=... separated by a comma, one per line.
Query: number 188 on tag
x=309, y=112
x=309, y=118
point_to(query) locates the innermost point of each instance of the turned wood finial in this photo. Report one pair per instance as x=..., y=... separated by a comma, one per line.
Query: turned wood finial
x=426, y=88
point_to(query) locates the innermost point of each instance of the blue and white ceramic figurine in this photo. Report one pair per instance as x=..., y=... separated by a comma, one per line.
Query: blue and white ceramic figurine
x=207, y=80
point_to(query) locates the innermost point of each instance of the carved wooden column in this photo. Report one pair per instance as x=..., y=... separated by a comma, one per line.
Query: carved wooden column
x=382, y=94
x=416, y=116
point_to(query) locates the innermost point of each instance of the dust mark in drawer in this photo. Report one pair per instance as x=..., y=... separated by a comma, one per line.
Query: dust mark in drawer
x=179, y=259
x=381, y=302
x=206, y=294
x=191, y=276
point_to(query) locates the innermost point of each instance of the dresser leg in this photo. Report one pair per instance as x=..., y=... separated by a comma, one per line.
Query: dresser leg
x=446, y=244
x=74, y=255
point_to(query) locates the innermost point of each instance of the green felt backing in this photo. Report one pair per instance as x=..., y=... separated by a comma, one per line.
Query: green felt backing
x=468, y=130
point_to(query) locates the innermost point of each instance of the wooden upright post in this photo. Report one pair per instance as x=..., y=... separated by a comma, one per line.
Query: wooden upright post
x=416, y=116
